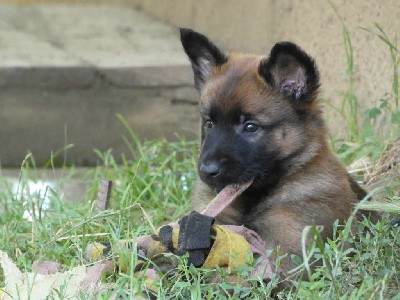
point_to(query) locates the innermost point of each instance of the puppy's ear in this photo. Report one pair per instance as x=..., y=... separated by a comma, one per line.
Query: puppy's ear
x=203, y=55
x=291, y=71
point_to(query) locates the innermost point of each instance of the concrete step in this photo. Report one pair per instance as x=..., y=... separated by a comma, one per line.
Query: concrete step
x=67, y=70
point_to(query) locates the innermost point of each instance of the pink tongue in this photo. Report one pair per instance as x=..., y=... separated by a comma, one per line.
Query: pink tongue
x=224, y=198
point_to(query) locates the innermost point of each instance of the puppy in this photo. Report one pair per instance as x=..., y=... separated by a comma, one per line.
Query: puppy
x=261, y=120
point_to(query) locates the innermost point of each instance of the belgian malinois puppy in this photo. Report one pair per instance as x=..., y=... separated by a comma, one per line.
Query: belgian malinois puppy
x=261, y=120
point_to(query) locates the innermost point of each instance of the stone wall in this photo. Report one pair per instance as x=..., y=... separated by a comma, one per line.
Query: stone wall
x=67, y=70
x=255, y=25
x=29, y=2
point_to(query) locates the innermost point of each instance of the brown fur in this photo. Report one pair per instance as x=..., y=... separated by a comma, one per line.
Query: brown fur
x=312, y=187
x=315, y=191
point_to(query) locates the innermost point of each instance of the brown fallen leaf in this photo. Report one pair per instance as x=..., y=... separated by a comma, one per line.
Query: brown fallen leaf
x=46, y=267
x=94, y=274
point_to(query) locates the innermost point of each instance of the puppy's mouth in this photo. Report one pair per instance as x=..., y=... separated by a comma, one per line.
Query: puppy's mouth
x=225, y=197
x=218, y=183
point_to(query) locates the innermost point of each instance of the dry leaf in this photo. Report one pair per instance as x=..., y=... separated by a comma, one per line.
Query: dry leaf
x=13, y=276
x=36, y=286
x=46, y=267
x=94, y=273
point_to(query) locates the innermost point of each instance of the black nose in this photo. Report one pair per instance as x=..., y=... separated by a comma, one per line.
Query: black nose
x=210, y=169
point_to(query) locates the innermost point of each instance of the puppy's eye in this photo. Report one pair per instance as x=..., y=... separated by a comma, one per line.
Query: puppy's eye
x=250, y=127
x=209, y=123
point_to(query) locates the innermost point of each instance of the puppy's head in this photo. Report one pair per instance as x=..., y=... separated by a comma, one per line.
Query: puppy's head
x=259, y=117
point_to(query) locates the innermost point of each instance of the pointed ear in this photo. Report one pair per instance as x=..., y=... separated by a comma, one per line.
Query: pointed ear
x=291, y=71
x=203, y=55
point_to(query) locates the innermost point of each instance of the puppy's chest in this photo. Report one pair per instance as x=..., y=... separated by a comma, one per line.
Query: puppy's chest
x=243, y=211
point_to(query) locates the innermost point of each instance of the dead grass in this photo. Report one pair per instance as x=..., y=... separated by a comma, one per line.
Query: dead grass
x=386, y=168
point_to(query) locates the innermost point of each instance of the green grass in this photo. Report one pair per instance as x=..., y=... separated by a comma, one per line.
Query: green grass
x=369, y=131
x=350, y=104
x=152, y=187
